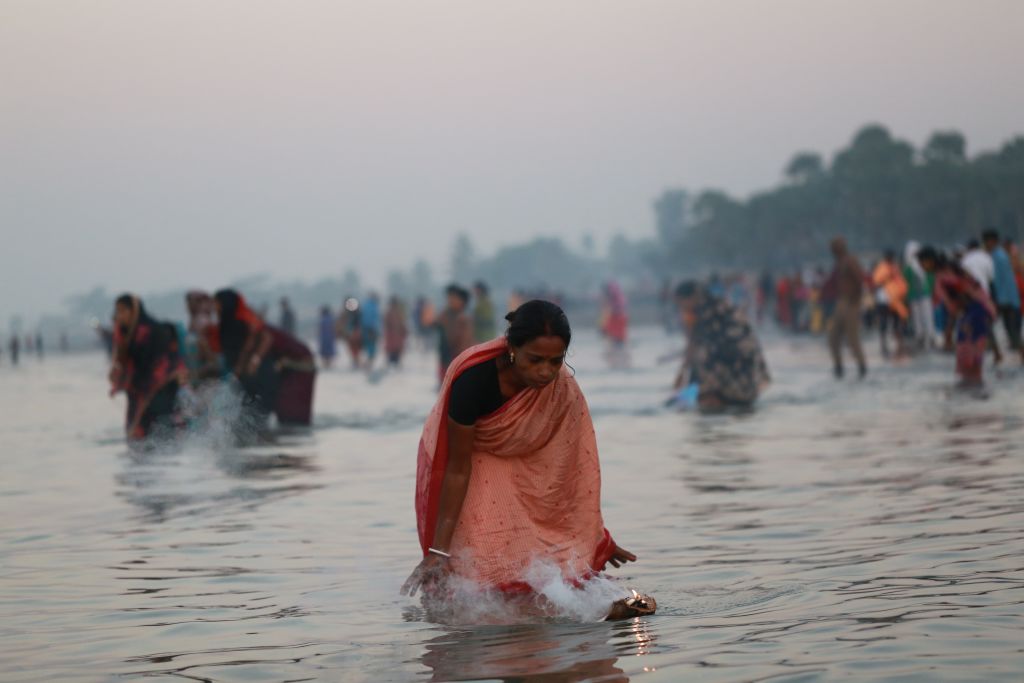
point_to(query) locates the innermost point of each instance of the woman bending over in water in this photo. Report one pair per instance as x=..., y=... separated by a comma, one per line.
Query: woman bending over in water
x=508, y=470
x=723, y=357
x=276, y=370
x=147, y=366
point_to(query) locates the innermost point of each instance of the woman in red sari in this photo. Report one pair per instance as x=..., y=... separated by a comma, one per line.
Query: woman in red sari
x=508, y=474
x=276, y=370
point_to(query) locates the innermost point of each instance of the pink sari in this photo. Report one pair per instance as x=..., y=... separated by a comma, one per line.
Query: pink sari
x=535, y=489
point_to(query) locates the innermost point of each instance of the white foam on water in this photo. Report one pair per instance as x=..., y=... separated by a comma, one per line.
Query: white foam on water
x=554, y=598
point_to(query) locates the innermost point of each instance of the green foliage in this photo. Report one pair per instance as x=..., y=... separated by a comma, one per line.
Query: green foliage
x=543, y=263
x=805, y=167
x=878, y=192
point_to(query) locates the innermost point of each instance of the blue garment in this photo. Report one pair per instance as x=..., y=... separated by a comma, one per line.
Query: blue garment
x=371, y=321
x=187, y=347
x=1004, y=285
x=974, y=324
x=688, y=395
x=371, y=315
x=327, y=336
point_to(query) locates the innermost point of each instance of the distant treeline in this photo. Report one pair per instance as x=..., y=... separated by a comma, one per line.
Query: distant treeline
x=879, y=192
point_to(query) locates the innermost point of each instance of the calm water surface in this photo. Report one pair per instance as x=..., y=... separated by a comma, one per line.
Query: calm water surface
x=869, y=531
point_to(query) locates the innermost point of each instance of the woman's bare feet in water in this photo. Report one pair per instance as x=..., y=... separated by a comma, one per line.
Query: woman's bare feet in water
x=635, y=606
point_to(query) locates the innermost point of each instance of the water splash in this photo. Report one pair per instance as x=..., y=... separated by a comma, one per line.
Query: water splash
x=554, y=599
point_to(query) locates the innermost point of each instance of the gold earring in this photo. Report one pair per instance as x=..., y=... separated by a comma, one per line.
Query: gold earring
x=511, y=358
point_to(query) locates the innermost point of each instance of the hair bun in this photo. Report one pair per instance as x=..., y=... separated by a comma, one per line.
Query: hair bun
x=537, y=318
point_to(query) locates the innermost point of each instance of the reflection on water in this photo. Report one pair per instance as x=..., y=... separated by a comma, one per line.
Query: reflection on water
x=195, y=480
x=863, y=530
x=537, y=653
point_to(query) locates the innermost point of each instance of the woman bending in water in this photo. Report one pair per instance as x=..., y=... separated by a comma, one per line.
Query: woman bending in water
x=970, y=306
x=276, y=370
x=723, y=357
x=147, y=366
x=508, y=473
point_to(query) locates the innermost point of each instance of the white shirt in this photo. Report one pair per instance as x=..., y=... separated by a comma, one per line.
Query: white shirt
x=978, y=263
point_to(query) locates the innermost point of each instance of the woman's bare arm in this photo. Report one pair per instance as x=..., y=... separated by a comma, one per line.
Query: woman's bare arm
x=257, y=344
x=457, y=472
x=456, y=482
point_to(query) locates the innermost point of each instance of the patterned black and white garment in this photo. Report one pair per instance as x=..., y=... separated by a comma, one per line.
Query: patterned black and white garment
x=723, y=355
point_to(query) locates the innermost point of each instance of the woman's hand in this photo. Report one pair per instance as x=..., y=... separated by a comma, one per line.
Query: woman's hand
x=433, y=570
x=115, y=373
x=621, y=556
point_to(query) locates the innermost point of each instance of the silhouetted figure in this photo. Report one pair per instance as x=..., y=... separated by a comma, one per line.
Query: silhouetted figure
x=287, y=316
x=14, y=346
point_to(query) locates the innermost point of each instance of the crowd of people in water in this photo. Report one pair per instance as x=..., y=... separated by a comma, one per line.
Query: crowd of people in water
x=925, y=300
x=157, y=363
x=163, y=367
x=922, y=300
x=167, y=368
x=507, y=472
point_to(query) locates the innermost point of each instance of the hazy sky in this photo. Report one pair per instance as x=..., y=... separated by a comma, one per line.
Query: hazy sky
x=145, y=145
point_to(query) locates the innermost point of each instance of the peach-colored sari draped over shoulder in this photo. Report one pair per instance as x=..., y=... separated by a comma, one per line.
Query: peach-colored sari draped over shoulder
x=535, y=488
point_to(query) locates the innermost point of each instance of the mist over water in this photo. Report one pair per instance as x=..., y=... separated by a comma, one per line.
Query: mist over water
x=870, y=530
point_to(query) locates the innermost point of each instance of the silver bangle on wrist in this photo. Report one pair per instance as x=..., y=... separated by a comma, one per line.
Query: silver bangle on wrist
x=440, y=553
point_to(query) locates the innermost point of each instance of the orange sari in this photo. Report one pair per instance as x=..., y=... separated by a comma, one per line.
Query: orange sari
x=535, y=489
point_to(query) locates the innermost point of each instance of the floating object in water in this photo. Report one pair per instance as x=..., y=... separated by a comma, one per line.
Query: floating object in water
x=635, y=606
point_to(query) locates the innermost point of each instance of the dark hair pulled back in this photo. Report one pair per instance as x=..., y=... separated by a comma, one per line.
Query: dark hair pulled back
x=534, y=319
